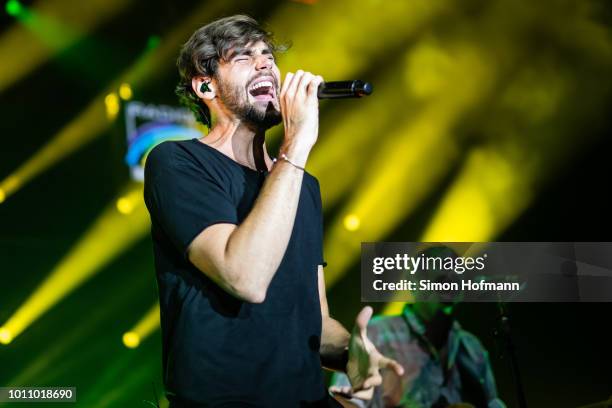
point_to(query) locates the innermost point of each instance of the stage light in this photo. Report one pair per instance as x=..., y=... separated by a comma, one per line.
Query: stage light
x=110, y=235
x=127, y=203
x=45, y=29
x=153, y=42
x=334, y=150
x=488, y=193
x=131, y=340
x=427, y=69
x=403, y=99
x=111, y=101
x=412, y=159
x=125, y=91
x=352, y=222
x=13, y=8
x=145, y=326
x=124, y=206
x=312, y=50
x=2, y=195
x=394, y=308
x=52, y=361
x=94, y=119
x=5, y=336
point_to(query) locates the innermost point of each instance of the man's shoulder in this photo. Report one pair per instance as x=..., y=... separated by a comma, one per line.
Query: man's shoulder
x=168, y=150
x=179, y=155
x=472, y=344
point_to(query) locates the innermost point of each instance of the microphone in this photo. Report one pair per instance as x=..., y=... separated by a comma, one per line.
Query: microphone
x=344, y=89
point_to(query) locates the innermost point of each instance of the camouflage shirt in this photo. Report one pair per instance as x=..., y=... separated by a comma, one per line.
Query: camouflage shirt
x=425, y=382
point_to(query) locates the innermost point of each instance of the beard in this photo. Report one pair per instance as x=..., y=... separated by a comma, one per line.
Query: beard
x=233, y=97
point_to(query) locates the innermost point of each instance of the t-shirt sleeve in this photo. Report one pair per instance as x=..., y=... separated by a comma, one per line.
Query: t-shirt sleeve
x=183, y=197
x=320, y=223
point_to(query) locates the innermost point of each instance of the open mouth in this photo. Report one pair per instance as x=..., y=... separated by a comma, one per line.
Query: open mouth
x=262, y=90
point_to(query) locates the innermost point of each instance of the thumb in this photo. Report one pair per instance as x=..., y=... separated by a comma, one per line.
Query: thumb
x=361, y=322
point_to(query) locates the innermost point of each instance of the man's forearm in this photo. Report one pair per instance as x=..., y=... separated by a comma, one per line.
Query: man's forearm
x=334, y=345
x=257, y=246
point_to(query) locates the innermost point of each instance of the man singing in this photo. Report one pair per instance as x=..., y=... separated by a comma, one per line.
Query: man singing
x=238, y=237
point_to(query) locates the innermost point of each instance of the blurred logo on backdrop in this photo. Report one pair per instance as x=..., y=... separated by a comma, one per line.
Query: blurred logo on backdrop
x=147, y=125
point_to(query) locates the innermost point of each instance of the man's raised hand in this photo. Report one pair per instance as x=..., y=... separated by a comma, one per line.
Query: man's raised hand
x=300, y=110
x=365, y=361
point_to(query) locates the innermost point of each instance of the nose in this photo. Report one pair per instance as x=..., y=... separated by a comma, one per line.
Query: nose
x=263, y=61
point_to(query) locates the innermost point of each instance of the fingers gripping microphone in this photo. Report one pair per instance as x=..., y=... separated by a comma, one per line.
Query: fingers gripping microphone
x=344, y=89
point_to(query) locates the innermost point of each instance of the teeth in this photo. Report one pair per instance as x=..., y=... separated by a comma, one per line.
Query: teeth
x=260, y=84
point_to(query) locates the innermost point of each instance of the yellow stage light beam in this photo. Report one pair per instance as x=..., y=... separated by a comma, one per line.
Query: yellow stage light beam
x=342, y=142
x=110, y=235
x=489, y=192
x=52, y=357
x=347, y=138
x=349, y=45
x=497, y=181
x=145, y=326
x=535, y=133
x=23, y=50
x=411, y=160
x=348, y=134
x=346, y=48
x=356, y=135
x=500, y=46
x=94, y=119
x=5, y=335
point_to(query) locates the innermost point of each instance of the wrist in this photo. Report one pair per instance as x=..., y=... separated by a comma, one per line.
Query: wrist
x=283, y=157
x=297, y=153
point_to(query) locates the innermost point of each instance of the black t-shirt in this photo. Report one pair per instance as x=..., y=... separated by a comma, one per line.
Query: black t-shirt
x=217, y=349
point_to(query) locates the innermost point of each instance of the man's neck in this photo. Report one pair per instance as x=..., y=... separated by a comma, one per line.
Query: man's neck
x=237, y=140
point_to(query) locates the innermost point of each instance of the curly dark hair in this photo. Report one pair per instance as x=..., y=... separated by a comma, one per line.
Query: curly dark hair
x=208, y=45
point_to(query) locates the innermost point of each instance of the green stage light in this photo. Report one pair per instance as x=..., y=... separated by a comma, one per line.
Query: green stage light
x=108, y=237
x=46, y=29
x=93, y=121
x=14, y=7
x=153, y=41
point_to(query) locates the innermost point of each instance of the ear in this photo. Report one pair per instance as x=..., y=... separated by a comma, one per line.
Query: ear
x=196, y=85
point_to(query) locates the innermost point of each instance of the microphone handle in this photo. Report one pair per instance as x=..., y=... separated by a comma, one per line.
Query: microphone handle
x=344, y=89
